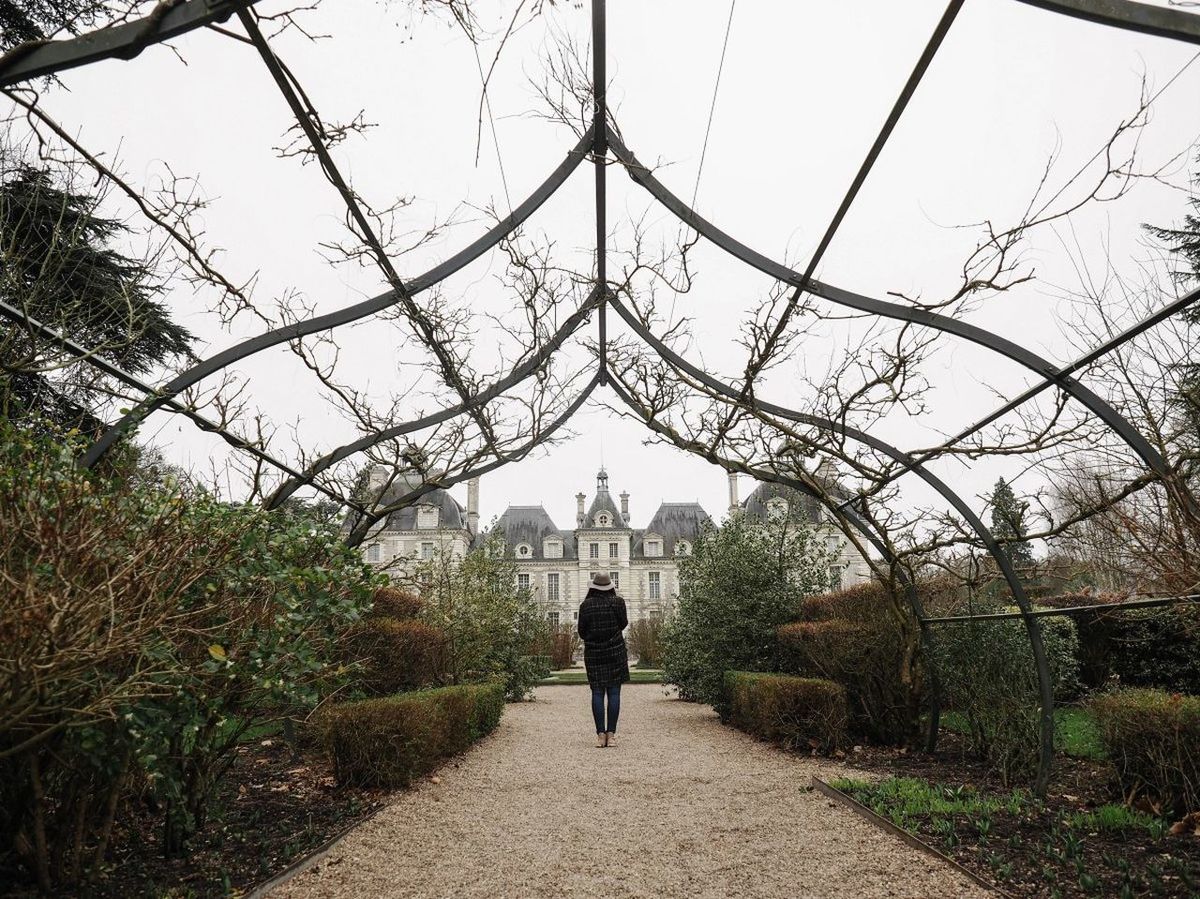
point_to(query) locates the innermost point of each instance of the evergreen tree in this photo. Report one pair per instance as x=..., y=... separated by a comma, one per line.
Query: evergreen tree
x=1008, y=523
x=1184, y=242
x=58, y=265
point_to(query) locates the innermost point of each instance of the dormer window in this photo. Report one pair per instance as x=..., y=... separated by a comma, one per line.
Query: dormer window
x=427, y=516
x=653, y=547
x=524, y=550
x=552, y=549
x=603, y=520
x=683, y=548
x=777, y=507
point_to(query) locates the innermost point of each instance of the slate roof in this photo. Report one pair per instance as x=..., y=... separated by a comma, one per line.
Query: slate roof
x=604, y=503
x=532, y=525
x=453, y=516
x=800, y=505
x=673, y=522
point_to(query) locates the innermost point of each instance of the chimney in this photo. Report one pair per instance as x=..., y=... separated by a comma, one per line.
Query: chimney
x=377, y=478
x=734, y=506
x=473, y=506
x=827, y=473
x=625, y=506
x=579, y=498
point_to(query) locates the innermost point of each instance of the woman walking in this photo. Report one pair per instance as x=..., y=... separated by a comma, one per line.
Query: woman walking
x=602, y=621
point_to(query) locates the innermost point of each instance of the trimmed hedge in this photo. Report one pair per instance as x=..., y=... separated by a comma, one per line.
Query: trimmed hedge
x=863, y=639
x=397, y=655
x=1153, y=739
x=796, y=712
x=396, y=602
x=387, y=742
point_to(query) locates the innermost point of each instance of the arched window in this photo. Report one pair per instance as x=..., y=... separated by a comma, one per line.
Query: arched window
x=524, y=550
x=683, y=548
x=603, y=520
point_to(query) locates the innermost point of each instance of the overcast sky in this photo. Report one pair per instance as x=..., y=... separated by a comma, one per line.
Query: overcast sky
x=805, y=88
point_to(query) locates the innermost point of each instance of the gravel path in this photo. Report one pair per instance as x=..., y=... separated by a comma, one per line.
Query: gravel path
x=684, y=807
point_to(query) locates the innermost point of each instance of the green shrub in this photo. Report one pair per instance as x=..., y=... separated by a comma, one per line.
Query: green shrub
x=149, y=628
x=492, y=629
x=386, y=742
x=796, y=712
x=1153, y=739
x=399, y=603
x=397, y=655
x=864, y=639
x=645, y=642
x=737, y=587
x=1139, y=647
x=987, y=674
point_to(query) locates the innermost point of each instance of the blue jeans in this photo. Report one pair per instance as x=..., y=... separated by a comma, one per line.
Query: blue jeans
x=614, y=707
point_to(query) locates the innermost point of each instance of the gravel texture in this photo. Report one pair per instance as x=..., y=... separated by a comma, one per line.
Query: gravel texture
x=683, y=807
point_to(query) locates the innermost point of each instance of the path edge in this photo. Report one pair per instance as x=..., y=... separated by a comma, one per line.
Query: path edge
x=884, y=824
x=302, y=864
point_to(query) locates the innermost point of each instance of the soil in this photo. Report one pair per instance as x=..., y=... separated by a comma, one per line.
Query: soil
x=1030, y=853
x=273, y=810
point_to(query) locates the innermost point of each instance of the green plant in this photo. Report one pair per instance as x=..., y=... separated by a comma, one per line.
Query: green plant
x=1153, y=740
x=988, y=677
x=796, y=712
x=395, y=602
x=490, y=625
x=865, y=639
x=740, y=583
x=645, y=642
x=396, y=654
x=386, y=742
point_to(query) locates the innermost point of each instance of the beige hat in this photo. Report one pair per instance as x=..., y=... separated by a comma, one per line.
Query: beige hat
x=601, y=582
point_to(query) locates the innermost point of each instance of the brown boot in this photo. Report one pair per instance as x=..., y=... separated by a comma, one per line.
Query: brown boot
x=601, y=741
x=610, y=739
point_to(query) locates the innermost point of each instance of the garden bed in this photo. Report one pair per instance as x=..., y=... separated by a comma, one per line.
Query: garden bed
x=272, y=811
x=1077, y=842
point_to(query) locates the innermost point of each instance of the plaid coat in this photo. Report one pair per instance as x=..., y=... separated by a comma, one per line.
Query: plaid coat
x=602, y=618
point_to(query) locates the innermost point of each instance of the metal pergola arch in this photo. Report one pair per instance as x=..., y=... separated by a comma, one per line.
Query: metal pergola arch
x=172, y=18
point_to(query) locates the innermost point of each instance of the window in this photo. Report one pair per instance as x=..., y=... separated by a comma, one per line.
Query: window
x=602, y=520
x=682, y=548
x=523, y=582
x=614, y=550
x=615, y=577
x=594, y=551
x=552, y=549
x=427, y=516
x=656, y=615
x=373, y=552
x=832, y=543
x=552, y=587
x=655, y=585
x=426, y=550
x=835, y=577
x=523, y=550
x=653, y=548
x=552, y=619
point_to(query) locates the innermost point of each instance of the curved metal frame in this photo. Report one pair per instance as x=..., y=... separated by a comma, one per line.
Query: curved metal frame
x=516, y=376
x=366, y=522
x=1040, y=366
x=20, y=317
x=126, y=41
x=172, y=18
x=351, y=313
x=1045, y=681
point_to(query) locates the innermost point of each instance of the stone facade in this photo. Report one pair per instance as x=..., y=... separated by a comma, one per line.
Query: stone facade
x=555, y=564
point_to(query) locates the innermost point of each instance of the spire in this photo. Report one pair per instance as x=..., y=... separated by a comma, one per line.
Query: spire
x=602, y=481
